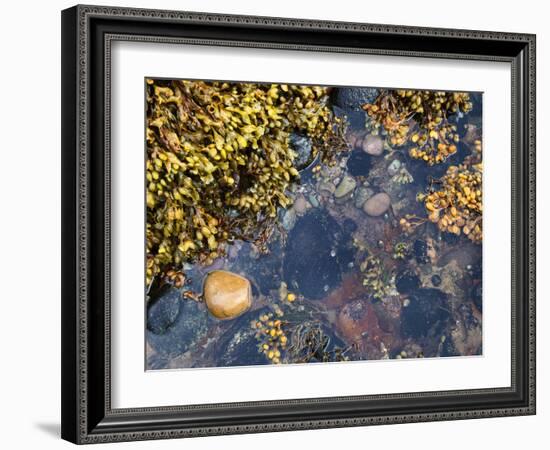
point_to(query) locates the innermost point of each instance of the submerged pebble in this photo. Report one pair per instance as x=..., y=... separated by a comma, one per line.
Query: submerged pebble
x=373, y=145
x=436, y=280
x=226, y=294
x=301, y=205
x=289, y=219
x=345, y=186
x=362, y=194
x=377, y=205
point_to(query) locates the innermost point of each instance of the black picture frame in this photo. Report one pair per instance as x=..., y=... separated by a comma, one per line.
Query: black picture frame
x=87, y=33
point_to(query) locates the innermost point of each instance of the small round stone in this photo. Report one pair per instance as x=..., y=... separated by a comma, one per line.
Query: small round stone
x=377, y=205
x=373, y=145
x=345, y=186
x=301, y=205
x=226, y=294
x=436, y=280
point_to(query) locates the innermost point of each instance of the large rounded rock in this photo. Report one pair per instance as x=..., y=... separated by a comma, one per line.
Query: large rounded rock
x=312, y=264
x=373, y=145
x=377, y=205
x=226, y=294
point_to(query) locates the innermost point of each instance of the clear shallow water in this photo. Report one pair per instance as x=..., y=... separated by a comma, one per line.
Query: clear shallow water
x=319, y=252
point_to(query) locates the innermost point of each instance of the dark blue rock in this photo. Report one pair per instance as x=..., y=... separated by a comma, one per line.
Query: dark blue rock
x=359, y=163
x=312, y=261
x=163, y=311
x=436, y=280
x=353, y=98
x=190, y=326
x=239, y=346
x=406, y=282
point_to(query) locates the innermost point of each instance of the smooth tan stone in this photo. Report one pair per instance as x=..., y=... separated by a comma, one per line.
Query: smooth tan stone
x=373, y=145
x=227, y=295
x=377, y=205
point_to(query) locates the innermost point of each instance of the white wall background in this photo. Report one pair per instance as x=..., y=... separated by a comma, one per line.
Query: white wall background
x=30, y=223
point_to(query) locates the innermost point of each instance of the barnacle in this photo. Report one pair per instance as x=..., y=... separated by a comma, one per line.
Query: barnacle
x=420, y=118
x=219, y=162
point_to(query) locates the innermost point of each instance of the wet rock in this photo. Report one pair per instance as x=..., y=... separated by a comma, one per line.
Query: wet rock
x=265, y=271
x=163, y=311
x=309, y=266
x=346, y=186
x=354, y=98
x=301, y=205
x=436, y=280
x=359, y=163
x=327, y=186
x=394, y=167
x=420, y=248
x=226, y=294
x=301, y=144
x=289, y=219
x=373, y=145
x=190, y=326
x=362, y=194
x=377, y=205
x=313, y=200
x=427, y=313
x=238, y=346
x=406, y=282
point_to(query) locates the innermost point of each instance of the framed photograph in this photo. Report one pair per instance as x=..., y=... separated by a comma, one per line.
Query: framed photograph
x=279, y=224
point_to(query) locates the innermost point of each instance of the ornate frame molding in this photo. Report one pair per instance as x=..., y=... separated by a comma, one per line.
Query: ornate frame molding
x=86, y=421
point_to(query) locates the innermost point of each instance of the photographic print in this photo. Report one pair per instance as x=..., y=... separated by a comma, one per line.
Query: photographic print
x=293, y=224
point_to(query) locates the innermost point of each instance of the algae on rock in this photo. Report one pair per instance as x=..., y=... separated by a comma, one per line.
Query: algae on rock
x=219, y=162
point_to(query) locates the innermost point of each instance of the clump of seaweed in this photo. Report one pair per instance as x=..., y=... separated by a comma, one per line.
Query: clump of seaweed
x=379, y=281
x=401, y=250
x=309, y=343
x=272, y=338
x=454, y=202
x=219, y=162
x=421, y=118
